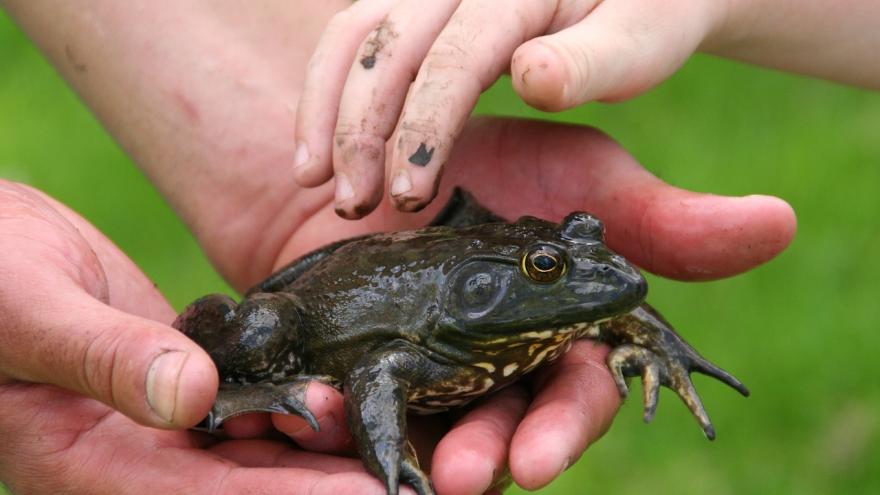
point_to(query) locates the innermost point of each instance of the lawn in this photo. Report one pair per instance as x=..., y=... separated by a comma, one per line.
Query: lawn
x=801, y=331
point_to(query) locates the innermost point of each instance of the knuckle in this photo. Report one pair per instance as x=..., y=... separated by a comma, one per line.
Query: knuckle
x=450, y=53
x=579, y=61
x=351, y=143
x=341, y=22
x=450, y=70
x=100, y=365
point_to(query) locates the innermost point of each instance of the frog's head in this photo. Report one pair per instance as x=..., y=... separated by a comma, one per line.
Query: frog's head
x=535, y=275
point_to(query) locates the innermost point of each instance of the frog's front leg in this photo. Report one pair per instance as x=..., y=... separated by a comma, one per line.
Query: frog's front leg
x=643, y=343
x=287, y=396
x=376, y=394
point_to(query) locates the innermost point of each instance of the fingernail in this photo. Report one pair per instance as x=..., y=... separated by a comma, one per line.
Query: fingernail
x=344, y=191
x=163, y=379
x=301, y=156
x=401, y=184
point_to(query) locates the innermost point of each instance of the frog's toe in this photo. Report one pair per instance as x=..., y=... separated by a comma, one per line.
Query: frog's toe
x=406, y=471
x=411, y=474
x=671, y=370
x=295, y=405
x=630, y=360
x=284, y=398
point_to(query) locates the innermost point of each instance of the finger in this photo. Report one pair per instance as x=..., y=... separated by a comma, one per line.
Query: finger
x=144, y=369
x=574, y=405
x=53, y=331
x=248, y=426
x=294, y=481
x=473, y=455
x=268, y=453
x=468, y=56
x=373, y=96
x=554, y=169
x=324, y=81
x=64, y=443
x=325, y=402
x=617, y=51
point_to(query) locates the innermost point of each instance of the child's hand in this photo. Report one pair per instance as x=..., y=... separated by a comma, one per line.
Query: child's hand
x=560, y=54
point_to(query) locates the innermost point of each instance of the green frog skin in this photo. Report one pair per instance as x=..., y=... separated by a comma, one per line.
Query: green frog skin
x=431, y=319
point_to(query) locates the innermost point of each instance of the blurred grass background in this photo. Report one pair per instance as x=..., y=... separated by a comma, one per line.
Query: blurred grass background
x=801, y=332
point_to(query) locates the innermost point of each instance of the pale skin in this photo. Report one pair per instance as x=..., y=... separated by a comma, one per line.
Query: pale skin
x=203, y=96
x=393, y=82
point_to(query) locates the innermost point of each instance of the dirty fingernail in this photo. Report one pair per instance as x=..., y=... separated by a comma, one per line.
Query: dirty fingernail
x=301, y=156
x=344, y=190
x=163, y=379
x=401, y=184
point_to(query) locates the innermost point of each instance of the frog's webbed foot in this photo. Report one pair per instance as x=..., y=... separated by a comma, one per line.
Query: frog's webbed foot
x=287, y=397
x=647, y=346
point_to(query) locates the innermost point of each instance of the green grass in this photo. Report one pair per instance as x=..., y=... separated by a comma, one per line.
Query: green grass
x=800, y=331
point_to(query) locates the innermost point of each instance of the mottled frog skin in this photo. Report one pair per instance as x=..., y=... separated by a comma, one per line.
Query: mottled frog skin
x=429, y=319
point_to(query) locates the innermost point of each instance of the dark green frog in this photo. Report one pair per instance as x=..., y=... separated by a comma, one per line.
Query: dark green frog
x=430, y=319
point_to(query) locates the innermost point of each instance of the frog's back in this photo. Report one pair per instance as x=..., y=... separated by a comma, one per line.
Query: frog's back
x=386, y=286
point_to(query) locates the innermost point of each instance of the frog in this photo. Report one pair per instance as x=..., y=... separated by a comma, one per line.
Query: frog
x=425, y=320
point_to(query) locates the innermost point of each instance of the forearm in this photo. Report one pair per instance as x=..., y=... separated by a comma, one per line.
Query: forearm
x=831, y=39
x=201, y=95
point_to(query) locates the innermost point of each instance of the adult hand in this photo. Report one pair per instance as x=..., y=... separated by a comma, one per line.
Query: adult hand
x=211, y=126
x=522, y=167
x=81, y=340
x=407, y=73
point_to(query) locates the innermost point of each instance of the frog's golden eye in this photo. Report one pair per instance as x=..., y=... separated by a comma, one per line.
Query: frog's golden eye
x=543, y=264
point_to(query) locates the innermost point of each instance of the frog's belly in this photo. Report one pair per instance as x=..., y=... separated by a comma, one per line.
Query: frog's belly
x=483, y=377
x=439, y=399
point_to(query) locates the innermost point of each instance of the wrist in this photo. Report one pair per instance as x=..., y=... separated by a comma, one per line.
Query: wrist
x=730, y=24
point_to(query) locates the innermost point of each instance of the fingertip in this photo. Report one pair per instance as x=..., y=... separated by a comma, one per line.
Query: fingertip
x=540, y=76
x=773, y=225
x=326, y=404
x=309, y=168
x=471, y=458
x=575, y=405
x=536, y=473
x=417, y=166
x=704, y=237
x=359, y=170
x=197, y=389
x=780, y=218
x=181, y=386
x=464, y=471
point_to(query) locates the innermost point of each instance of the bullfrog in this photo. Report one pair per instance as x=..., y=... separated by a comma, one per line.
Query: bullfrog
x=426, y=320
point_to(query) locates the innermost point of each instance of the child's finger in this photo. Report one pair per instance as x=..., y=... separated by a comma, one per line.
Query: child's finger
x=618, y=51
x=377, y=83
x=468, y=56
x=324, y=81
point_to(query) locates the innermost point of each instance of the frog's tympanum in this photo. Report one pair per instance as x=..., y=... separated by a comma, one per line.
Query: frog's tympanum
x=429, y=319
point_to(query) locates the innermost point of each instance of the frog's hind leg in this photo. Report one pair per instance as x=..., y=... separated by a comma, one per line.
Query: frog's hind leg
x=645, y=344
x=256, y=347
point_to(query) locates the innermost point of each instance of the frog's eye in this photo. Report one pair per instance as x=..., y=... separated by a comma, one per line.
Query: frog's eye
x=543, y=264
